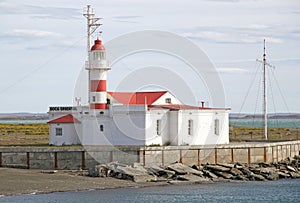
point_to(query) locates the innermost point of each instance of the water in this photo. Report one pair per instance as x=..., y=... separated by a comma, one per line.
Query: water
x=272, y=123
x=268, y=191
x=40, y=121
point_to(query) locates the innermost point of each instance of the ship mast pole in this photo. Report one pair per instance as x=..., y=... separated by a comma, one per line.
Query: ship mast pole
x=265, y=93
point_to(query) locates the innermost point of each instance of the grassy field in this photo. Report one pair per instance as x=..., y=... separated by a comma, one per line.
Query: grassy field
x=238, y=133
x=24, y=134
x=38, y=134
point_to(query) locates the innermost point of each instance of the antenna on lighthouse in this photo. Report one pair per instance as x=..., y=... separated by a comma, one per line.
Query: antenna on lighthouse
x=92, y=24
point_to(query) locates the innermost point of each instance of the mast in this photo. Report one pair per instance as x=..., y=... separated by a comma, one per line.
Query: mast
x=265, y=93
x=265, y=96
x=92, y=24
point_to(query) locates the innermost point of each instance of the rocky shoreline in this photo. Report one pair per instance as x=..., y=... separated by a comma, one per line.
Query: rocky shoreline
x=180, y=173
x=116, y=175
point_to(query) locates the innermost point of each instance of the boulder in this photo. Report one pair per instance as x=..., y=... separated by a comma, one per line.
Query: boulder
x=255, y=170
x=93, y=172
x=294, y=175
x=272, y=176
x=223, y=174
x=227, y=165
x=283, y=175
x=217, y=168
x=258, y=177
x=264, y=165
x=290, y=168
x=210, y=174
x=247, y=172
x=240, y=177
x=192, y=178
x=235, y=172
x=238, y=165
x=158, y=171
x=134, y=174
x=267, y=170
x=181, y=169
x=199, y=168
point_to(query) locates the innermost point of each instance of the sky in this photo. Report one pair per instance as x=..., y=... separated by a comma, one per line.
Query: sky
x=43, y=48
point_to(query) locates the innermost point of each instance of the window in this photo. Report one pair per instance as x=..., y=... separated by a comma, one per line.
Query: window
x=58, y=131
x=99, y=55
x=94, y=98
x=190, y=127
x=101, y=128
x=158, y=127
x=217, y=127
x=168, y=100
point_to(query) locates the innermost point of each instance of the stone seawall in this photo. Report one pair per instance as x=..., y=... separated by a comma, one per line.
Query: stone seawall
x=78, y=157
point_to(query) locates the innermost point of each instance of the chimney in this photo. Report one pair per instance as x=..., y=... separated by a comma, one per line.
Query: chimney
x=202, y=104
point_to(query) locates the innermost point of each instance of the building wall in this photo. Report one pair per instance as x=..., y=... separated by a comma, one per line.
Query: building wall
x=119, y=125
x=175, y=127
x=157, y=133
x=203, y=127
x=136, y=125
x=69, y=134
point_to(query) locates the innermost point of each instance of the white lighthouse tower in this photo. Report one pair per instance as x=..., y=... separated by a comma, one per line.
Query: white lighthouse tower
x=96, y=65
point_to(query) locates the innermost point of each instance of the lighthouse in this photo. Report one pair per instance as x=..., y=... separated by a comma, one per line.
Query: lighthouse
x=97, y=68
x=96, y=64
x=133, y=118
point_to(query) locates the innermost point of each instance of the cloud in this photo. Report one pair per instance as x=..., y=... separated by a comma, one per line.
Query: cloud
x=126, y=19
x=42, y=12
x=254, y=33
x=232, y=70
x=35, y=33
x=227, y=1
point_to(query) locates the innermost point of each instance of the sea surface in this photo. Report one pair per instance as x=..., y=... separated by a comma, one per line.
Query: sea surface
x=272, y=123
x=267, y=191
x=40, y=121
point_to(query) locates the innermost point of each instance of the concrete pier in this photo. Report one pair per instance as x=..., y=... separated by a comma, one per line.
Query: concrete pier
x=76, y=157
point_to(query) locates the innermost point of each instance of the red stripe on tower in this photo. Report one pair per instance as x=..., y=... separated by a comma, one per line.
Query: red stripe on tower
x=98, y=85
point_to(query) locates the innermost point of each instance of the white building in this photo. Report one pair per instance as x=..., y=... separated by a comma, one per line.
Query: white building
x=134, y=118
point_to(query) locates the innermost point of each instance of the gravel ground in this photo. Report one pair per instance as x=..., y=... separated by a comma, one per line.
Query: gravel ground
x=23, y=181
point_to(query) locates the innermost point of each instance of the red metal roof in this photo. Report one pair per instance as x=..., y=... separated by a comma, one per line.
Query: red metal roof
x=137, y=97
x=98, y=45
x=65, y=119
x=182, y=106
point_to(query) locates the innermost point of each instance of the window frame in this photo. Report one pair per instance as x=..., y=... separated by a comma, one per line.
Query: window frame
x=190, y=126
x=158, y=127
x=217, y=126
x=58, y=131
x=168, y=100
